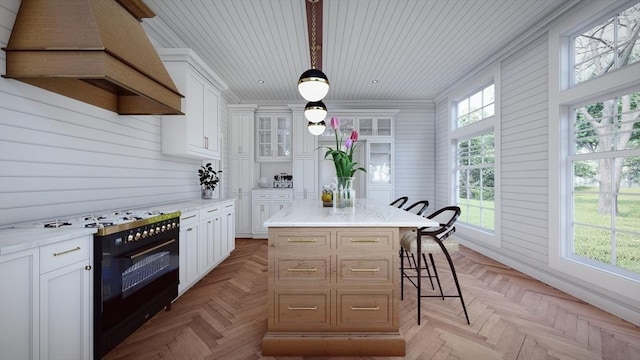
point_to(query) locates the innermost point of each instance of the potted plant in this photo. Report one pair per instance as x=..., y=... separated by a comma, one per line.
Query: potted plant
x=208, y=180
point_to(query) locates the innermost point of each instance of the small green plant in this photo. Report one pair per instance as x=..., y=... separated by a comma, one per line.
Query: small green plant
x=208, y=177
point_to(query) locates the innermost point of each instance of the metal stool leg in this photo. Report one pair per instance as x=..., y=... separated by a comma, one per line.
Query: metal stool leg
x=435, y=272
x=455, y=279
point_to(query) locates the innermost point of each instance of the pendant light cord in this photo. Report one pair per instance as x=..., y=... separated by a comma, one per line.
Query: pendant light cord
x=313, y=33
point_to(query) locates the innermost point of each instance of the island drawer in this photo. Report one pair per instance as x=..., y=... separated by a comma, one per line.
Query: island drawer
x=373, y=238
x=301, y=310
x=302, y=268
x=360, y=269
x=362, y=310
x=300, y=239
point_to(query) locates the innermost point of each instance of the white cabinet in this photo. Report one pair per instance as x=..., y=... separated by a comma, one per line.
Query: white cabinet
x=380, y=170
x=241, y=168
x=188, y=259
x=210, y=237
x=374, y=126
x=240, y=179
x=19, y=313
x=194, y=135
x=47, y=301
x=241, y=119
x=266, y=202
x=228, y=228
x=346, y=124
x=273, y=137
x=305, y=178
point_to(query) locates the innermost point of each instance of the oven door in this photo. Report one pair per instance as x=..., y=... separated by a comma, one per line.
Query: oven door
x=132, y=279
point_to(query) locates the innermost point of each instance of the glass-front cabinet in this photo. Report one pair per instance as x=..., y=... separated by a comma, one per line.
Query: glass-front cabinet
x=379, y=170
x=346, y=125
x=374, y=126
x=273, y=137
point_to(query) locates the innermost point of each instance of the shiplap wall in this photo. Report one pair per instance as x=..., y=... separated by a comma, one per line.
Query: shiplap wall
x=414, y=150
x=59, y=156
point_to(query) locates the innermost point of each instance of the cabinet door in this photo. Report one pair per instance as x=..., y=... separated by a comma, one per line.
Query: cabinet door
x=264, y=150
x=304, y=143
x=241, y=133
x=231, y=229
x=205, y=253
x=240, y=175
x=195, y=110
x=305, y=178
x=379, y=162
x=242, y=215
x=211, y=116
x=260, y=213
x=19, y=311
x=282, y=140
x=66, y=312
x=190, y=238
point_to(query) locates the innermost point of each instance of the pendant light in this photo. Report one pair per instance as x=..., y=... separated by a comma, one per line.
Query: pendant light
x=316, y=128
x=315, y=111
x=313, y=84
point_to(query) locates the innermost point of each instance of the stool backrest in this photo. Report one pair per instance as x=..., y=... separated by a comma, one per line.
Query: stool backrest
x=399, y=202
x=418, y=207
x=447, y=217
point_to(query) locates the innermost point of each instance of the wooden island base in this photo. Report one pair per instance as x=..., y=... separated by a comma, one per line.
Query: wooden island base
x=333, y=345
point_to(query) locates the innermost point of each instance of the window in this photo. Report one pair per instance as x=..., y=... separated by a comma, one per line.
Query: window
x=475, y=173
x=604, y=168
x=476, y=107
x=608, y=46
x=475, y=150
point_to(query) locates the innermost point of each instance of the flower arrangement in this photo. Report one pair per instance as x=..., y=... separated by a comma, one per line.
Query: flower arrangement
x=208, y=177
x=343, y=159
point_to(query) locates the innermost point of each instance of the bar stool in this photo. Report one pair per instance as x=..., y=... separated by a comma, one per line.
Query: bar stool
x=399, y=202
x=427, y=240
x=418, y=207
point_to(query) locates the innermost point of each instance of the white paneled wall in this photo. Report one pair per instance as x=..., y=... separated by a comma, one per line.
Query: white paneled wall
x=59, y=156
x=414, y=150
x=442, y=162
x=524, y=154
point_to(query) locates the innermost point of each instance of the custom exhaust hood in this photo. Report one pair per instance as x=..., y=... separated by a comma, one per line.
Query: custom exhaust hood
x=95, y=51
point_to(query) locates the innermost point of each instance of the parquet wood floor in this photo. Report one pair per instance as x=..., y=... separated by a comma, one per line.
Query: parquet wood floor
x=513, y=316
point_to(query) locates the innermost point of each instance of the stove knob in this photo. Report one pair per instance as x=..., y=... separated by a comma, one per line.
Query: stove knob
x=173, y=225
x=151, y=231
x=158, y=229
x=164, y=228
x=130, y=238
x=145, y=233
x=137, y=237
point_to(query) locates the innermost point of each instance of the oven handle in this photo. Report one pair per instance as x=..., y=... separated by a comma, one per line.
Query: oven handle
x=152, y=249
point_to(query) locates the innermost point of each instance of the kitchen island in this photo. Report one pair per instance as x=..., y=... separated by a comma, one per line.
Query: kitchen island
x=334, y=279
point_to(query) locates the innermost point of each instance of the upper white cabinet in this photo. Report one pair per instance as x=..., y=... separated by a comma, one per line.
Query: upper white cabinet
x=273, y=137
x=194, y=135
x=374, y=126
x=241, y=120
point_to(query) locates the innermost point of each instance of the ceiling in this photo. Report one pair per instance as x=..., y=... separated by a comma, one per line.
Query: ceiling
x=415, y=49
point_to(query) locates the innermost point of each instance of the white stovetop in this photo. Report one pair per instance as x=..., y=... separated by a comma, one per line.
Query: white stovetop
x=366, y=213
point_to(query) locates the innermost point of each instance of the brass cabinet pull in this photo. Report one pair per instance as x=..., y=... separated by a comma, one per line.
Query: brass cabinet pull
x=357, y=308
x=66, y=251
x=152, y=249
x=302, y=270
x=365, y=270
x=302, y=308
x=302, y=240
x=365, y=240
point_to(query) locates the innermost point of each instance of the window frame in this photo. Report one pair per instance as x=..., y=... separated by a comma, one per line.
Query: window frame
x=489, y=76
x=563, y=97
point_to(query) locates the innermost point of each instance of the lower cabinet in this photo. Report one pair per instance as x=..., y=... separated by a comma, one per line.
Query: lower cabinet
x=207, y=237
x=47, y=304
x=264, y=203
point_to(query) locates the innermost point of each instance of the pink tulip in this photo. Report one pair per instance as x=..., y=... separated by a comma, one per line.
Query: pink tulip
x=334, y=122
x=348, y=143
x=354, y=136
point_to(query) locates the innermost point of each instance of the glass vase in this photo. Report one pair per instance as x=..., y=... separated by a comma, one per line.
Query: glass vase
x=344, y=196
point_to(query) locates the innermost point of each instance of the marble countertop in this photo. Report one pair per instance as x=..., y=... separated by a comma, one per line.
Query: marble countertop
x=366, y=213
x=23, y=237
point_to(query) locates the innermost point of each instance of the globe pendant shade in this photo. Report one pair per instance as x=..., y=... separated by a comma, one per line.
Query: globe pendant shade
x=315, y=111
x=313, y=85
x=316, y=128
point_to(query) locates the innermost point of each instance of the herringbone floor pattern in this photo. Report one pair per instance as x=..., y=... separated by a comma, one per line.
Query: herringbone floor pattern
x=513, y=316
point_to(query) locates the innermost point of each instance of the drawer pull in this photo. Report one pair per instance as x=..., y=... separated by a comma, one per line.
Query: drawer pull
x=365, y=270
x=302, y=240
x=365, y=240
x=210, y=211
x=357, y=308
x=302, y=308
x=302, y=270
x=66, y=251
x=188, y=217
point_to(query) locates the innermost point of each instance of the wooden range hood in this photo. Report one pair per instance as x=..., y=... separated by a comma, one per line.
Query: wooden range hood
x=95, y=51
